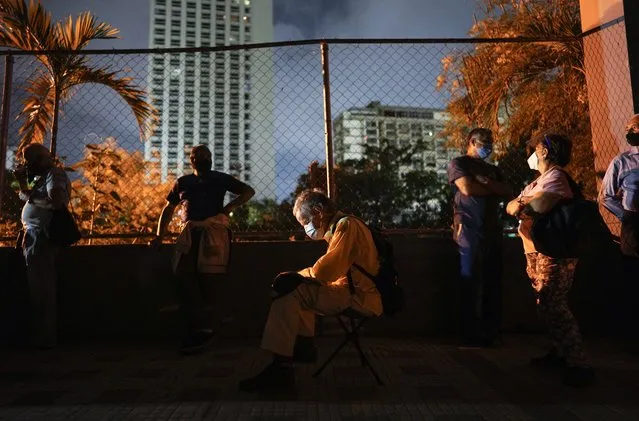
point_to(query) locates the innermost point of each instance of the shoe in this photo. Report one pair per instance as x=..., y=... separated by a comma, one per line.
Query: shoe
x=305, y=350
x=550, y=360
x=196, y=342
x=274, y=376
x=578, y=376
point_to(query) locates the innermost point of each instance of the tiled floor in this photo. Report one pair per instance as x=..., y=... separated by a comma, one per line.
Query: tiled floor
x=424, y=380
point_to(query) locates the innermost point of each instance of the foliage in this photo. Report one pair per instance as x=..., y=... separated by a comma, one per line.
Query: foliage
x=387, y=188
x=523, y=90
x=28, y=26
x=118, y=191
x=265, y=215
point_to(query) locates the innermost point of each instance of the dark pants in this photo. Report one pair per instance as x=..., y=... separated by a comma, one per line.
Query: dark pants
x=480, y=289
x=201, y=295
x=40, y=256
x=630, y=255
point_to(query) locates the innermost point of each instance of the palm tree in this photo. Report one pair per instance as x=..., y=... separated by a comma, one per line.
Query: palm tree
x=28, y=26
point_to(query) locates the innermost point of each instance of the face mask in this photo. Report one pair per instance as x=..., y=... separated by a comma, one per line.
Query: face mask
x=533, y=162
x=632, y=138
x=312, y=232
x=484, y=151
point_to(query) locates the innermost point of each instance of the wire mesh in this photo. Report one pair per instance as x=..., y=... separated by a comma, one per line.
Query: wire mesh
x=399, y=113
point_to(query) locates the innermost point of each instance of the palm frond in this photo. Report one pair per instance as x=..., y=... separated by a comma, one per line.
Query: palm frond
x=26, y=26
x=77, y=35
x=37, y=110
x=146, y=114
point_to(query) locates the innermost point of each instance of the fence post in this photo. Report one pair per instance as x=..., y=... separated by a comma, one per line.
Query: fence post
x=4, y=124
x=328, y=123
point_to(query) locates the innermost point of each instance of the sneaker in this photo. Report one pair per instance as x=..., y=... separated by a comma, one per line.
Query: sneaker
x=550, y=360
x=196, y=342
x=578, y=376
x=305, y=350
x=274, y=376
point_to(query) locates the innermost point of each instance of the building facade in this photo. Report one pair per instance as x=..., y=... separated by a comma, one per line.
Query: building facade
x=10, y=160
x=222, y=99
x=357, y=127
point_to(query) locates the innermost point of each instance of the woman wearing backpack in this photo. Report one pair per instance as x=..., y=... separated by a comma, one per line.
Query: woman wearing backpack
x=551, y=277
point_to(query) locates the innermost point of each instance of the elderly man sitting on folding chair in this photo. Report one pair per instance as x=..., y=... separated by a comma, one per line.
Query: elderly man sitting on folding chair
x=322, y=289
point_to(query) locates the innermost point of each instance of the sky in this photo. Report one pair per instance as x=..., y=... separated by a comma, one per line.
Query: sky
x=396, y=74
x=301, y=19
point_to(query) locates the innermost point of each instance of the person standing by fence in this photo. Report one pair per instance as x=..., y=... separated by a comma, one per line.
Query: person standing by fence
x=552, y=277
x=477, y=229
x=51, y=190
x=202, y=250
x=620, y=195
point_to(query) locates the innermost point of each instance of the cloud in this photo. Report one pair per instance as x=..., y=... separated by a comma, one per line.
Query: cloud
x=288, y=32
x=376, y=18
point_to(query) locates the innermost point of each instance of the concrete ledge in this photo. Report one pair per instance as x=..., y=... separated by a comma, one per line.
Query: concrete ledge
x=118, y=291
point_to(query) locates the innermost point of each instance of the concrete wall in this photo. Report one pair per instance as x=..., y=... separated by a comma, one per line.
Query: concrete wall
x=118, y=291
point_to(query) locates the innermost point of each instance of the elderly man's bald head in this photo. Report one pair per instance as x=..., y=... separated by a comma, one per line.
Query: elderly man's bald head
x=633, y=123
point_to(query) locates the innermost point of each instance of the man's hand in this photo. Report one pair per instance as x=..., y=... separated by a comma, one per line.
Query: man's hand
x=483, y=180
x=223, y=219
x=20, y=173
x=155, y=243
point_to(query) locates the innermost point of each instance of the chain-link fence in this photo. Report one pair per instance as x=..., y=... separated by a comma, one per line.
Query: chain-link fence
x=399, y=113
x=609, y=97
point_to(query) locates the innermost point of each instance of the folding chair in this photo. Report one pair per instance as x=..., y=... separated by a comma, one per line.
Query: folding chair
x=355, y=322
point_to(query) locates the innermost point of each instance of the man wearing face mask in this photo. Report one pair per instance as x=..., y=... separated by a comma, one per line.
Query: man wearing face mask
x=620, y=195
x=321, y=289
x=202, y=241
x=50, y=190
x=477, y=229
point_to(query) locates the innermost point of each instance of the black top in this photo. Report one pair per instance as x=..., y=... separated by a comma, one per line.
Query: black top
x=203, y=194
x=477, y=215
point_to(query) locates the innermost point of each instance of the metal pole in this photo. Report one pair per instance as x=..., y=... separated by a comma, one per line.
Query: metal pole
x=4, y=124
x=328, y=124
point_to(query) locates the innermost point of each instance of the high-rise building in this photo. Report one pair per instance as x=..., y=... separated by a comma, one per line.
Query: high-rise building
x=11, y=157
x=357, y=127
x=222, y=99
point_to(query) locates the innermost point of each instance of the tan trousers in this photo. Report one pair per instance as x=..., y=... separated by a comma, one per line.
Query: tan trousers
x=294, y=314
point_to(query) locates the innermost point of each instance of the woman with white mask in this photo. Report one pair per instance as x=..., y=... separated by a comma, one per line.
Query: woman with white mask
x=551, y=277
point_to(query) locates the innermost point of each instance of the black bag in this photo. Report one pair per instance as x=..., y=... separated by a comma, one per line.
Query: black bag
x=571, y=227
x=387, y=279
x=63, y=231
x=285, y=283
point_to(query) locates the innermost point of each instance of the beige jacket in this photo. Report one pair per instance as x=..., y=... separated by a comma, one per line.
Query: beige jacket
x=349, y=242
x=215, y=245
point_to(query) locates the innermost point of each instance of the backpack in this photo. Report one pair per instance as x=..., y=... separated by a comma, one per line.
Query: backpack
x=387, y=279
x=63, y=230
x=571, y=228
